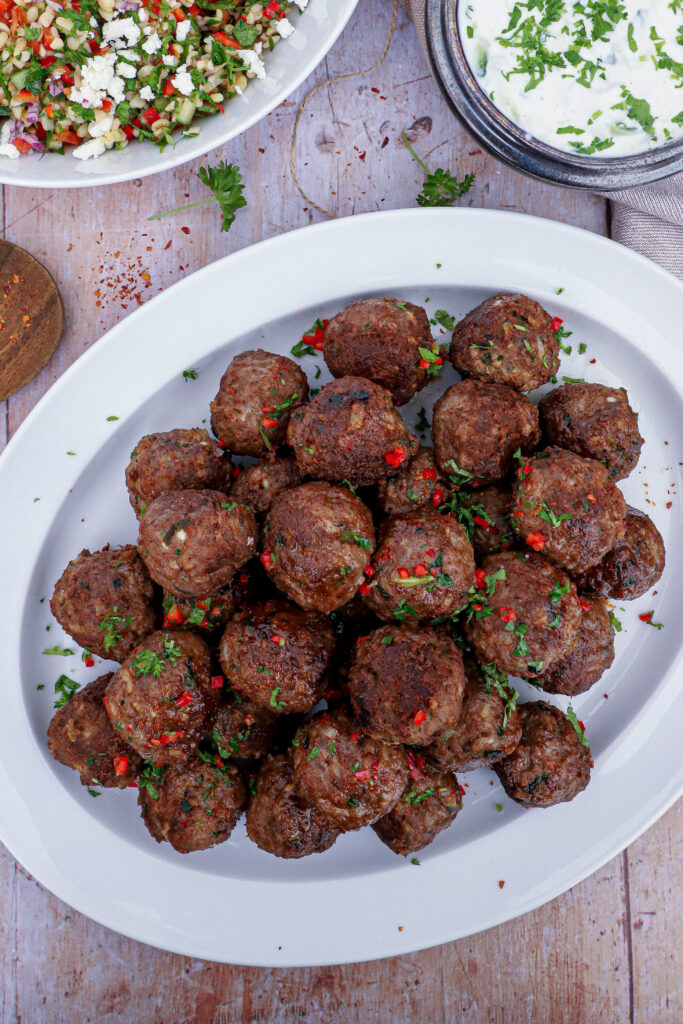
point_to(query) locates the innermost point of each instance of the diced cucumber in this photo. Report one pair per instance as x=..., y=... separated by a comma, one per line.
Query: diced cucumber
x=19, y=77
x=185, y=111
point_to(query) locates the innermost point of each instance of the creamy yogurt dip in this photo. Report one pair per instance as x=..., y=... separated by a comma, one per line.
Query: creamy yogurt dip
x=596, y=77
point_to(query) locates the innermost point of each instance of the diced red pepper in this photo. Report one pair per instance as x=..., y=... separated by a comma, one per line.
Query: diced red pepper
x=395, y=457
x=151, y=115
x=508, y=614
x=179, y=14
x=481, y=522
x=364, y=588
x=403, y=572
x=355, y=736
x=22, y=146
x=24, y=96
x=47, y=62
x=429, y=474
x=267, y=560
x=480, y=576
x=585, y=607
x=121, y=764
x=363, y=774
x=106, y=105
x=646, y=617
x=420, y=569
x=227, y=40
x=88, y=661
x=268, y=422
x=591, y=498
x=216, y=682
x=184, y=699
x=437, y=497
x=277, y=639
x=173, y=617
x=556, y=323
x=271, y=9
x=169, y=88
x=419, y=717
x=369, y=571
x=127, y=130
x=536, y=541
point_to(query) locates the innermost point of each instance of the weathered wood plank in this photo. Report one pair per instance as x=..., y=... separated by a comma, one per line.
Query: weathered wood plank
x=655, y=872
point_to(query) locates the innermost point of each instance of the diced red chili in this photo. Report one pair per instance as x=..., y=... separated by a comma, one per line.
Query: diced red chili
x=536, y=541
x=481, y=522
x=556, y=323
x=480, y=576
x=121, y=764
x=437, y=497
x=267, y=560
x=508, y=614
x=184, y=699
x=403, y=572
x=429, y=474
x=216, y=682
x=420, y=569
x=419, y=717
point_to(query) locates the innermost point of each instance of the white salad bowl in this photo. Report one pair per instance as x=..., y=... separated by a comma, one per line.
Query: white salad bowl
x=317, y=29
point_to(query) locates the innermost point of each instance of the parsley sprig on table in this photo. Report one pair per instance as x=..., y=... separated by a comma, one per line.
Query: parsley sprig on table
x=440, y=187
x=225, y=181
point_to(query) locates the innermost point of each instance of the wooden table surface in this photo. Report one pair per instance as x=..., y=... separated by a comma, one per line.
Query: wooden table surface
x=605, y=951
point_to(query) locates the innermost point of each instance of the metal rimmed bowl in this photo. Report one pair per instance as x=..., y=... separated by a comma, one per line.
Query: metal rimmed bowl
x=506, y=140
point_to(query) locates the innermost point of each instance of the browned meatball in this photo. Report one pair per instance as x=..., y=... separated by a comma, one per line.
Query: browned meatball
x=550, y=765
x=81, y=737
x=418, y=484
x=278, y=655
x=478, y=425
x=632, y=566
x=193, y=542
x=489, y=514
x=208, y=614
x=351, y=778
x=161, y=699
x=567, y=507
x=197, y=806
x=423, y=568
x=380, y=339
x=177, y=460
x=429, y=804
x=256, y=396
x=105, y=601
x=527, y=616
x=258, y=486
x=350, y=431
x=317, y=541
x=507, y=339
x=488, y=727
x=405, y=686
x=279, y=820
x=590, y=655
x=241, y=729
x=594, y=421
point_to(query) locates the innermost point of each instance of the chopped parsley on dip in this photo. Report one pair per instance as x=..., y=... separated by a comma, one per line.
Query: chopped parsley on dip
x=596, y=77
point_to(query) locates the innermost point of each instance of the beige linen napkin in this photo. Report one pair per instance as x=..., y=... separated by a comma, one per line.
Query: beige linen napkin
x=648, y=219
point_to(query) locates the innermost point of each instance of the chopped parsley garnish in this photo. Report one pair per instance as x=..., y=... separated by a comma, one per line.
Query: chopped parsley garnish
x=440, y=187
x=615, y=623
x=578, y=726
x=65, y=688
x=113, y=626
x=225, y=181
x=150, y=774
x=445, y=319
x=274, y=702
x=546, y=513
x=457, y=475
x=64, y=652
x=402, y=609
x=496, y=679
x=190, y=374
x=351, y=535
x=313, y=753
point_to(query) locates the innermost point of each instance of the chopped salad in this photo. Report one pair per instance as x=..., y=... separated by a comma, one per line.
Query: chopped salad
x=86, y=76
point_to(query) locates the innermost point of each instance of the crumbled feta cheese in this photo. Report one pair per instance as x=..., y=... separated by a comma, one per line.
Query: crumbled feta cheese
x=5, y=132
x=284, y=28
x=169, y=60
x=98, y=80
x=301, y=4
x=143, y=16
x=152, y=44
x=89, y=150
x=125, y=70
x=258, y=48
x=147, y=93
x=183, y=30
x=121, y=29
x=8, y=150
x=253, y=62
x=183, y=81
x=96, y=129
x=129, y=55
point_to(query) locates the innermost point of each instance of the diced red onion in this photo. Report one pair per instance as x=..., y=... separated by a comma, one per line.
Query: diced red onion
x=32, y=141
x=55, y=86
x=32, y=113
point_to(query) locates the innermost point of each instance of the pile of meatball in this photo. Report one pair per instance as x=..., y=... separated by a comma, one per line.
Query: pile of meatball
x=325, y=636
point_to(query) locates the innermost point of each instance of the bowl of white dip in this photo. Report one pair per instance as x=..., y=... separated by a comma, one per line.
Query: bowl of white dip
x=576, y=92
